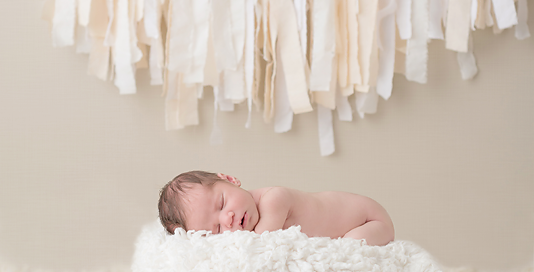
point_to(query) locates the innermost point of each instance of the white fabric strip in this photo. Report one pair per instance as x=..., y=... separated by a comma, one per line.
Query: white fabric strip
x=417, y=46
x=467, y=62
x=474, y=13
x=216, y=134
x=237, y=11
x=435, y=9
x=99, y=59
x=283, y=116
x=234, y=83
x=386, y=35
x=63, y=23
x=139, y=10
x=505, y=13
x=404, y=18
x=366, y=102
x=110, y=32
x=224, y=104
x=122, y=56
x=328, y=99
x=521, y=29
x=211, y=75
x=223, y=36
x=152, y=18
x=181, y=36
x=300, y=8
x=344, y=110
x=249, y=56
x=201, y=14
x=457, y=32
x=326, y=131
x=355, y=76
x=83, y=40
x=84, y=11
x=323, y=49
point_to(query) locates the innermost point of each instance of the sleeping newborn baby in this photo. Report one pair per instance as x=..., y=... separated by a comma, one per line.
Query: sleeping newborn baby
x=200, y=200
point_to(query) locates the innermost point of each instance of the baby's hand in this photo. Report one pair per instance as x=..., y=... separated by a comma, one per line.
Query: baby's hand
x=230, y=179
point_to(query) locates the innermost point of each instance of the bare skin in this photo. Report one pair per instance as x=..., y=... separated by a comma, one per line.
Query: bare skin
x=225, y=206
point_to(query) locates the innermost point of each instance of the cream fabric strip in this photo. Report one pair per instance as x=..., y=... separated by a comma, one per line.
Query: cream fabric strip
x=355, y=76
x=457, y=32
x=404, y=18
x=83, y=40
x=110, y=32
x=99, y=58
x=474, y=13
x=487, y=11
x=417, y=46
x=435, y=10
x=342, y=47
x=181, y=103
x=152, y=22
x=386, y=35
x=326, y=131
x=201, y=14
x=181, y=52
x=249, y=56
x=283, y=20
x=366, y=23
x=211, y=75
x=84, y=11
x=122, y=54
x=222, y=35
x=480, y=22
x=63, y=23
x=324, y=46
x=224, y=104
x=269, y=36
x=302, y=22
x=467, y=62
x=328, y=99
x=283, y=116
x=216, y=134
x=234, y=83
x=521, y=29
x=152, y=18
x=48, y=11
x=505, y=13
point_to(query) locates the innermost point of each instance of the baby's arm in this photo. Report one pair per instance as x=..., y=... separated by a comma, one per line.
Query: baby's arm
x=273, y=207
x=378, y=229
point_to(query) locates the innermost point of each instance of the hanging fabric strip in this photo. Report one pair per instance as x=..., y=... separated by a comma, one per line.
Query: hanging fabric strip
x=134, y=49
x=48, y=11
x=110, y=32
x=435, y=10
x=284, y=20
x=99, y=59
x=222, y=35
x=122, y=56
x=344, y=110
x=84, y=11
x=237, y=11
x=63, y=23
x=201, y=14
x=404, y=18
x=457, y=32
x=328, y=99
x=366, y=102
x=249, y=56
x=366, y=22
x=152, y=18
x=386, y=35
x=480, y=22
x=326, y=131
x=342, y=47
x=505, y=13
x=172, y=118
x=182, y=36
x=474, y=13
x=283, y=116
x=83, y=40
x=139, y=10
x=181, y=103
x=234, y=83
x=467, y=62
x=324, y=46
x=211, y=75
x=224, y=104
x=487, y=10
x=216, y=134
x=521, y=29
x=417, y=46
x=355, y=76
x=257, y=55
x=302, y=24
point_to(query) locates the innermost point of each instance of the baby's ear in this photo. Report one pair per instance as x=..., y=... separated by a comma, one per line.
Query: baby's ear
x=230, y=179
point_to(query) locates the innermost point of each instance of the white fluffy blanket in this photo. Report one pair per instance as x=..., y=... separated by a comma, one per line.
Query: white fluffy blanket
x=283, y=250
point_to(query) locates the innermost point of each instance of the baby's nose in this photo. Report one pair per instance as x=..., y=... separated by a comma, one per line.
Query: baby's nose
x=231, y=219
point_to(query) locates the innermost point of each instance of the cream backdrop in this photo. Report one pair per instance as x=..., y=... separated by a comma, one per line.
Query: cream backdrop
x=81, y=166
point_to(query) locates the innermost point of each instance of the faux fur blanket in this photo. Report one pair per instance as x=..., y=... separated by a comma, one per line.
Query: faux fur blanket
x=283, y=250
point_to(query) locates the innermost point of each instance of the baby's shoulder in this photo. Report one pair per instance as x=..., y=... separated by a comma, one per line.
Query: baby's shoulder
x=275, y=197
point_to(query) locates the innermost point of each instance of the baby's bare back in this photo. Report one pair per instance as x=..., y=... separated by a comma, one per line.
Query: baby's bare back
x=331, y=214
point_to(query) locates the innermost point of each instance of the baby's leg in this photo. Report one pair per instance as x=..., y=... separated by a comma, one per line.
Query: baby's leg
x=376, y=233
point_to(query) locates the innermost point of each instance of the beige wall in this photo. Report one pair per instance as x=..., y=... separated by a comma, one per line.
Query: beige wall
x=81, y=166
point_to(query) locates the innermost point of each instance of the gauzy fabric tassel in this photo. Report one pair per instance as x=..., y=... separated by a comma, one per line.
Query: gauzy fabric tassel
x=417, y=46
x=326, y=131
x=63, y=23
x=521, y=29
x=505, y=13
x=122, y=53
x=467, y=62
x=457, y=33
x=283, y=116
x=404, y=18
x=181, y=30
x=201, y=15
x=323, y=49
x=435, y=10
x=386, y=35
x=249, y=56
x=366, y=22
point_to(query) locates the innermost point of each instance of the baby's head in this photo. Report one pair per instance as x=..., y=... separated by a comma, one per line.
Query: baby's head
x=200, y=200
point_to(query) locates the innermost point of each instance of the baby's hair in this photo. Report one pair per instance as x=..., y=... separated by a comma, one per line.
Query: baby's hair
x=170, y=203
